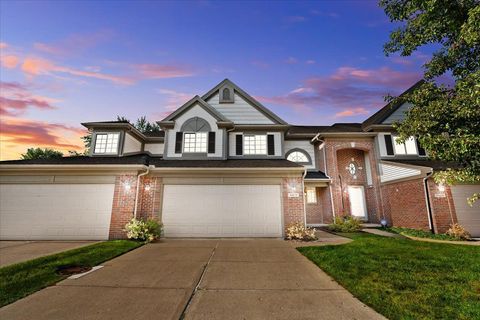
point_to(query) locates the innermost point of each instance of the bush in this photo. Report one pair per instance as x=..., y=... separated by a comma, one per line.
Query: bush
x=422, y=234
x=345, y=224
x=458, y=232
x=297, y=231
x=143, y=230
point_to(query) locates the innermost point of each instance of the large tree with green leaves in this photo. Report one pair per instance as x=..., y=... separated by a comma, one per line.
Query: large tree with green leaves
x=39, y=153
x=445, y=119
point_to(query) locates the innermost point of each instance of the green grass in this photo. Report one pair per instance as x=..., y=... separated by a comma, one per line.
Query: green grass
x=21, y=279
x=405, y=279
x=421, y=234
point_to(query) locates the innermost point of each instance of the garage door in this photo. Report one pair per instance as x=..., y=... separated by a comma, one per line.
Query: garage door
x=55, y=211
x=468, y=217
x=222, y=211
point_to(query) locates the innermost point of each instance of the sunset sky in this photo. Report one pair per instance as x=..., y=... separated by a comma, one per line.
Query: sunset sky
x=67, y=62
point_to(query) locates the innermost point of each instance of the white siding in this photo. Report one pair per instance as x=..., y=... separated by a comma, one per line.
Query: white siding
x=398, y=115
x=304, y=145
x=195, y=111
x=154, y=148
x=131, y=144
x=240, y=112
x=390, y=172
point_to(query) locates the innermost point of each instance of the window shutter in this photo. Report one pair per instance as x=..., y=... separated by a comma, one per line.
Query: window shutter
x=271, y=144
x=389, y=144
x=239, y=144
x=421, y=151
x=178, y=142
x=211, y=142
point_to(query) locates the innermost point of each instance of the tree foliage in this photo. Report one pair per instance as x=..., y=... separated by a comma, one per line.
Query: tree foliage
x=142, y=124
x=39, y=153
x=446, y=120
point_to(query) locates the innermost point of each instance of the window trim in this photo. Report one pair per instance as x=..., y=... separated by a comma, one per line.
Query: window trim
x=404, y=145
x=307, y=199
x=119, y=143
x=255, y=145
x=195, y=143
x=305, y=153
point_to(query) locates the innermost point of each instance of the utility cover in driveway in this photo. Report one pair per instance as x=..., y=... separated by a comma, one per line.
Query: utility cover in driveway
x=222, y=211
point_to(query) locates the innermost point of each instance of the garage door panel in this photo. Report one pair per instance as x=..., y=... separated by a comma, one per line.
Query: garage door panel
x=222, y=211
x=55, y=211
x=468, y=216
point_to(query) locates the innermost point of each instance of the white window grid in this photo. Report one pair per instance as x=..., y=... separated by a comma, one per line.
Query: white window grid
x=254, y=144
x=106, y=143
x=407, y=148
x=297, y=156
x=311, y=195
x=195, y=142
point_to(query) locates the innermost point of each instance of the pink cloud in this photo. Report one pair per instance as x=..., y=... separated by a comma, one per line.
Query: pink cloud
x=352, y=112
x=15, y=99
x=174, y=99
x=9, y=61
x=158, y=71
x=260, y=64
x=3, y=45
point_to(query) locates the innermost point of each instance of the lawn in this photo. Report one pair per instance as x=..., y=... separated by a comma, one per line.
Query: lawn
x=21, y=279
x=406, y=279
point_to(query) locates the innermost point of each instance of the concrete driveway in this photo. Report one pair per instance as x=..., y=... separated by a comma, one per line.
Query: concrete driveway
x=198, y=279
x=18, y=251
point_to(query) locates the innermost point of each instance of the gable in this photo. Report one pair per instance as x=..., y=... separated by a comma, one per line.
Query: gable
x=398, y=115
x=240, y=111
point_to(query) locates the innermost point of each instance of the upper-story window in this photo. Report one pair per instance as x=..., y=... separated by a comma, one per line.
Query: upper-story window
x=106, y=143
x=255, y=144
x=226, y=95
x=297, y=156
x=411, y=146
x=195, y=142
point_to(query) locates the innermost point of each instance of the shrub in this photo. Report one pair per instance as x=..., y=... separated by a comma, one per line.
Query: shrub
x=422, y=234
x=458, y=232
x=297, y=231
x=143, y=230
x=345, y=224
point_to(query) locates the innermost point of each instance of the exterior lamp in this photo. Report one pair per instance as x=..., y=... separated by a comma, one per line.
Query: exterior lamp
x=147, y=187
x=441, y=187
x=127, y=186
x=383, y=222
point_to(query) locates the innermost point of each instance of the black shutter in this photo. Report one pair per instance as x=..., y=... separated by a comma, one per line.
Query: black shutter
x=421, y=151
x=271, y=144
x=389, y=144
x=211, y=142
x=178, y=142
x=239, y=144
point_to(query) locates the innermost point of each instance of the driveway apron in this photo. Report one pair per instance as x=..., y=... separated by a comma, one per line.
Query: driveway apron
x=198, y=279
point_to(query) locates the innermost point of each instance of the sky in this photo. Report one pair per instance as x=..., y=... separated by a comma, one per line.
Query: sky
x=68, y=62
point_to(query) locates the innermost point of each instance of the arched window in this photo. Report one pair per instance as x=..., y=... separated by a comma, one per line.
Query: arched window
x=226, y=94
x=298, y=156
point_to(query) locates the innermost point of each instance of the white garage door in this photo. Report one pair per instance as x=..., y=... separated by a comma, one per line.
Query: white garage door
x=55, y=211
x=468, y=217
x=222, y=211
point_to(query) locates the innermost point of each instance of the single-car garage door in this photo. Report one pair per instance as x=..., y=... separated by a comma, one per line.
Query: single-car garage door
x=468, y=217
x=222, y=211
x=55, y=211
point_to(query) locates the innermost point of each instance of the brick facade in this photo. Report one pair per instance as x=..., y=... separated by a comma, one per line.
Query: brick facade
x=293, y=208
x=443, y=208
x=320, y=212
x=123, y=205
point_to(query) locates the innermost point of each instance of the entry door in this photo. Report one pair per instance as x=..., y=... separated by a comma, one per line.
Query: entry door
x=358, y=205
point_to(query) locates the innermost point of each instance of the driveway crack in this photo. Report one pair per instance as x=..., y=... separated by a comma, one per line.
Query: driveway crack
x=197, y=285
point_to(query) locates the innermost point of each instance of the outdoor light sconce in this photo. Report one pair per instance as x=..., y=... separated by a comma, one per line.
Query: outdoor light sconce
x=147, y=187
x=383, y=222
x=127, y=186
x=441, y=187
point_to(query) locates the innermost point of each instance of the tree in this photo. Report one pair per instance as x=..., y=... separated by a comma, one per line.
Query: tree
x=39, y=153
x=142, y=124
x=445, y=119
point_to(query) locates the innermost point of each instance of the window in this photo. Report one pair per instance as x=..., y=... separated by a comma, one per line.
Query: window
x=255, y=144
x=195, y=142
x=226, y=94
x=106, y=143
x=298, y=156
x=311, y=195
x=409, y=147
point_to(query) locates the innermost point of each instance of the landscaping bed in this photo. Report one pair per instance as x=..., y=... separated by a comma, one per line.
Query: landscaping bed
x=21, y=279
x=405, y=279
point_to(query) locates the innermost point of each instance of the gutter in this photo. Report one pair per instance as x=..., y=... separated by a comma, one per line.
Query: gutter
x=138, y=190
x=56, y=167
x=427, y=201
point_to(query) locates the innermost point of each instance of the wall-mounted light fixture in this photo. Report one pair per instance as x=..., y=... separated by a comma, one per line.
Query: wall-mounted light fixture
x=127, y=186
x=147, y=187
x=441, y=187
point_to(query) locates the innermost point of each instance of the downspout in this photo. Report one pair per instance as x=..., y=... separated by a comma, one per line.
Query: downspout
x=330, y=184
x=427, y=201
x=138, y=190
x=303, y=196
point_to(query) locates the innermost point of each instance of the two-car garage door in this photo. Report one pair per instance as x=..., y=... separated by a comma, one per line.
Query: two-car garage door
x=55, y=211
x=222, y=211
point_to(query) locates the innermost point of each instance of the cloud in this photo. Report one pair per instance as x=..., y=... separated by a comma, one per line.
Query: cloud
x=9, y=61
x=310, y=62
x=3, y=45
x=158, y=71
x=15, y=99
x=296, y=19
x=260, y=64
x=291, y=60
x=347, y=89
x=352, y=112
x=74, y=44
x=174, y=99
x=17, y=135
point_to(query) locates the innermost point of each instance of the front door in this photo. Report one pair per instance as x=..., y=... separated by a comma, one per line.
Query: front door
x=358, y=205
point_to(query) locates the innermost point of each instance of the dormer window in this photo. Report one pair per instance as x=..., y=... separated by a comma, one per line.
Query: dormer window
x=226, y=95
x=106, y=143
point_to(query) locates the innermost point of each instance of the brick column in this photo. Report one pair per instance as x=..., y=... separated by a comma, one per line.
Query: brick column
x=293, y=207
x=123, y=205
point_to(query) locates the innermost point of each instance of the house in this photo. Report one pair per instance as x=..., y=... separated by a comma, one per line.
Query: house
x=226, y=166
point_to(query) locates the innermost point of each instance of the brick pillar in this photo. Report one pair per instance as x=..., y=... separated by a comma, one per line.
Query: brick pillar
x=123, y=205
x=293, y=207
x=150, y=198
x=443, y=208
